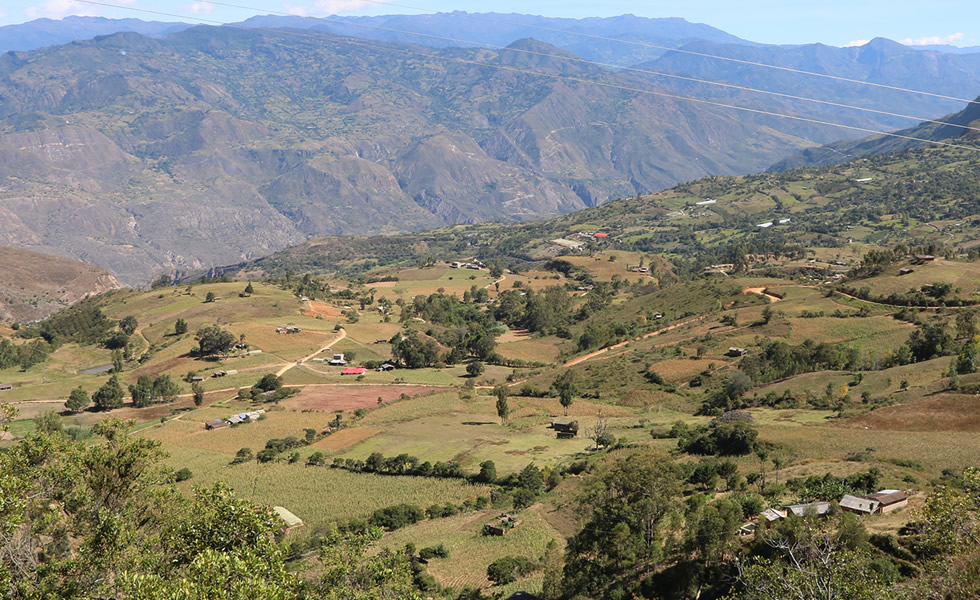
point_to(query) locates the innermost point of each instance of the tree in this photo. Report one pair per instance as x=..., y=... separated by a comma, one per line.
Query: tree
x=488, y=472
x=78, y=400
x=566, y=386
x=209, y=297
x=628, y=503
x=165, y=389
x=269, y=382
x=508, y=569
x=116, y=340
x=816, y=559
x=212, y=339
x=180, y=327
x=197, y=388
x=142, y=392
x=767, y=314
x=249, y=289
x=599, y=434
x=503, y=409
x=316, y=459
x=129, y=324
x=118, y=361
x=109, y=396
x=474, y=369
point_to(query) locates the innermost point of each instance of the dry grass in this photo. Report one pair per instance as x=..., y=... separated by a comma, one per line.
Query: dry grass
x=942, y=412
x=345, y=438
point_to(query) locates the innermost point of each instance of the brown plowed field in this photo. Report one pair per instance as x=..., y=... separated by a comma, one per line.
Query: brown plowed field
x=942, y=412
x=349, y=397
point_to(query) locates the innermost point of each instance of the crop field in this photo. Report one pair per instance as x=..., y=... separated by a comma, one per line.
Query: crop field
x=345, y=438
x=349, y=397
x=963, y=276
x=940, y=412
x=470, y=553
x=529, y=350
x=318, y=495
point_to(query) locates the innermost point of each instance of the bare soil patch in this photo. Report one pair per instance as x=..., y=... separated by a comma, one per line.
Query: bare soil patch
x=942, y=412
x=349, y=397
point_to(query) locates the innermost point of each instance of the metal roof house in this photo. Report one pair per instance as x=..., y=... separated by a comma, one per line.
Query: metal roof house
x=819, y=508
x=890, y=500
x=860, y=506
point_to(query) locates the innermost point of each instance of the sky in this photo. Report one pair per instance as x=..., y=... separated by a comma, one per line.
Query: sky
x=835, y=22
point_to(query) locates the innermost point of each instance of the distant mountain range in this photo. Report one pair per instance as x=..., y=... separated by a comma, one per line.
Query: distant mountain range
x=216, y=145
x=50, y=32
x=187, y=148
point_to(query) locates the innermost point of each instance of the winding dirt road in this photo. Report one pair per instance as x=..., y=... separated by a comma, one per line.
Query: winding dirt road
x=590, y=355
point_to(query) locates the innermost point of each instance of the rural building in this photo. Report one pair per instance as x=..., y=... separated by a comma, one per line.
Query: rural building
x=232, y=372
x=216, y=424
x=924, y=258
x=501, y=525
x=565, y=428
x=6, y=386
x=733, y=351
x=819, y=508
x=386, y=367
x=291, y=521
x=905, y=271
x=197, y=378
x=338, y=360
x=354, y=371
x=600, y=235
x=219, y=374
x=890, y=500
x=381, y=341
x=859, y=506
x=235, y=420
x=771, y=515
x=747, y=529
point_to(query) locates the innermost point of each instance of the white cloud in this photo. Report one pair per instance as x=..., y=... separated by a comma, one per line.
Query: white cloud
x=296, y=11
x=336, y=7
x=935, y=40
x=201, y=8
x=856, y=43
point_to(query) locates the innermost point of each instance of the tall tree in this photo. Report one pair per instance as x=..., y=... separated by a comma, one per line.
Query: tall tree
x=503, y=409
x=109, y=396
x=566, y=386
x=78, y=400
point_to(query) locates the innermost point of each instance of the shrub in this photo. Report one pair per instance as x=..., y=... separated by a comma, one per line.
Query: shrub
x=184, y=474
x=509, y=568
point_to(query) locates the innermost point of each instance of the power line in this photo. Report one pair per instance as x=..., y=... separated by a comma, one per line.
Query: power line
x=668, y=48
x=605, y=65
x=431, y=56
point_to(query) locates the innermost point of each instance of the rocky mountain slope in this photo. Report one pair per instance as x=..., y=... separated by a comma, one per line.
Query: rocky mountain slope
x=217, y=145
x=840, y=152
x=34, y=285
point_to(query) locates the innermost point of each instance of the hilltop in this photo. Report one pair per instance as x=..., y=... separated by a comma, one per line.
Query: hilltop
x=34, y=285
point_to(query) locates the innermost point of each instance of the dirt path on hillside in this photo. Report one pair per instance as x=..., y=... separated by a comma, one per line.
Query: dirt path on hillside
x=339, y=336
x=590, y=355
x=762, y=292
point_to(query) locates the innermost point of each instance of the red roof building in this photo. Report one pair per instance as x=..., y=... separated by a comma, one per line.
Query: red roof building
x=354, y=371
x=600, y=235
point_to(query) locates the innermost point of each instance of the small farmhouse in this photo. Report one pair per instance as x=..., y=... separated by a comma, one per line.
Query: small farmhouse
x=890, y=500
x=565, y=428
x=858, y=506
x=290, y=520
x=354, y=371
x=216, y=424
x=818, y=508
x=338, y=360
x=733, y=351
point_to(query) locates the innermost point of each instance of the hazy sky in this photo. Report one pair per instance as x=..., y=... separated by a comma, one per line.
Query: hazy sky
x=836, y=22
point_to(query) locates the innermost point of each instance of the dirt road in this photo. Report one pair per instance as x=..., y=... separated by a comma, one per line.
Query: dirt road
x=586, y=357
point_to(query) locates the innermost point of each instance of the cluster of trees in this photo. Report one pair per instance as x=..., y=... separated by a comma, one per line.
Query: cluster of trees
x=816, y=487
x=102, y=520
x=23, y=355
x=149, y=390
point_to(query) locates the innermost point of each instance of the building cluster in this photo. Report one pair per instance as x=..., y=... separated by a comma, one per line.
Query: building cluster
x=245, y=417
x=882, y=502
